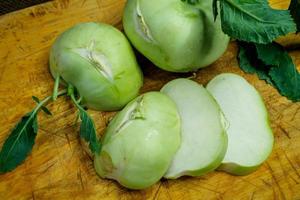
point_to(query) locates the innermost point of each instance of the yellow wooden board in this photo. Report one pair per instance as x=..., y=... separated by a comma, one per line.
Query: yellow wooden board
x=59, y=169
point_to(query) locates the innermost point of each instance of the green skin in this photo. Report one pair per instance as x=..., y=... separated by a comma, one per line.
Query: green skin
x=99, y=62
x=174, y=35
x=140, y=142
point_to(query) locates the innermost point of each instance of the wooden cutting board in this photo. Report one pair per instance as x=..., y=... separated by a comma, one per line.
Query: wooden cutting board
x=58, y=168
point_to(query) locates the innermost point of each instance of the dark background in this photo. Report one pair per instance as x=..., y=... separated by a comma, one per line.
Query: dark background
x=7, y=6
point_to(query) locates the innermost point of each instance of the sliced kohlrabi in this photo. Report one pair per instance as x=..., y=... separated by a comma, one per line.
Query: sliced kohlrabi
x=203, y=137
x=250, y=138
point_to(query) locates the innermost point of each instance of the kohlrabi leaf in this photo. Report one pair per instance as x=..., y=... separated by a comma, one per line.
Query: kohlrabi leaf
x=270, y=54
x=21, y=139
x=43, y=108
x=283, y=71
x=36, y=99
x=295, y=12
x=19, y=143
x=273, y=64
x=254, y=21
x=88, y=131
x=87, y=127
x=249, y=62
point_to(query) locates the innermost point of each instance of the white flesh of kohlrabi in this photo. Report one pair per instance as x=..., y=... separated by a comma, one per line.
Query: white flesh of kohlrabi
x=204, y=140
x=97, y=59
x=250, y=138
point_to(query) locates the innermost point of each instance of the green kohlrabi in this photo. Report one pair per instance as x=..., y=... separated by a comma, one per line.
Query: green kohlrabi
x=140, y=142
x=176, y=36
x=97, y=64
x=98, y=61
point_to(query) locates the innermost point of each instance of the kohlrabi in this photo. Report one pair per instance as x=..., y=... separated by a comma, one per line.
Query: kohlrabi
x=98, y=61
x=140, y=142
x=250, y=138
x=175, y=35
x=97, y=65
x=203, y=137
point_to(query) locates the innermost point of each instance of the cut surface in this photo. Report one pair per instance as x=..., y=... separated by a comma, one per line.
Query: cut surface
x=203, y=137
x=250, y=138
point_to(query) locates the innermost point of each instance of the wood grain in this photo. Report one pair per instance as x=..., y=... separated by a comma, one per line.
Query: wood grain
x=59, y=169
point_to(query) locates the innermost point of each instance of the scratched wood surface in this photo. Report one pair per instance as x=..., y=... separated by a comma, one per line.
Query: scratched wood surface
x=59, y=169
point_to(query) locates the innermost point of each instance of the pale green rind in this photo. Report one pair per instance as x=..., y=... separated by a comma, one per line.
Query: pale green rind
x=250, y=138
x=70, y=57
x=138, y=152
x=237, y=170
x=204, y=140
x=174, y=35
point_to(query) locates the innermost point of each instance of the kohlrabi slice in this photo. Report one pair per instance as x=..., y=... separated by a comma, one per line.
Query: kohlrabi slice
x=203, y=137
x=98, y=61
x=174, y=34
x=140, y=142
x=250, y=138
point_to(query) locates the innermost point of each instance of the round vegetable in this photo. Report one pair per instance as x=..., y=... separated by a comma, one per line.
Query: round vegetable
x=140, y=142
x=204, y=140
x=174, y=35
x=99, y=62
x=250, y=138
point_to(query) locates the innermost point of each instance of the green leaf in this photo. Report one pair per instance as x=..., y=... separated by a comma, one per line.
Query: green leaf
x=283, y=72
x=19, y=143
x=87, y=127
x=287, y=79
x=270, y=54
x=249, y=62
x=37, y=100
x=273, y=64
x=295, y=12
x=88, y=131
x=21, y=139
x=254, y=20
x=45, y=109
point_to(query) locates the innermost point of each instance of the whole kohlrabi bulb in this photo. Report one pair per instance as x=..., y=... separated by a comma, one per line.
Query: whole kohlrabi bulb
x=99, y=62
x=140, y=142
x=175, y=35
